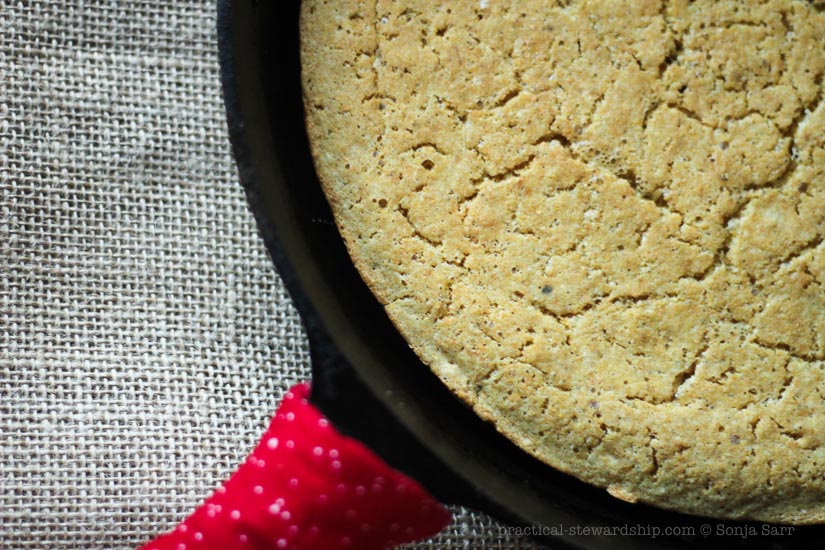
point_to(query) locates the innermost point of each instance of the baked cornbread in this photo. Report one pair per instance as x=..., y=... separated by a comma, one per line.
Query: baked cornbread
x=601, y=224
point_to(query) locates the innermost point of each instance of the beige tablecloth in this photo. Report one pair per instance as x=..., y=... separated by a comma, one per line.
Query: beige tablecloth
x=145, y=337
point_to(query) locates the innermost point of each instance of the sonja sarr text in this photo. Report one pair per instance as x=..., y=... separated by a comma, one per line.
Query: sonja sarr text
x=651, y=531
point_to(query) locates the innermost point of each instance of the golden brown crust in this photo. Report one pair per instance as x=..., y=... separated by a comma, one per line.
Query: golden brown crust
x=601, y=224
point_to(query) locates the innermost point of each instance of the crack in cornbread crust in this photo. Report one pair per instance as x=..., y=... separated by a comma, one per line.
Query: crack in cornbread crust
x=601, y=224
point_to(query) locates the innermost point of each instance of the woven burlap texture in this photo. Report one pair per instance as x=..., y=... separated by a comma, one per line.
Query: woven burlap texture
x=145, y=337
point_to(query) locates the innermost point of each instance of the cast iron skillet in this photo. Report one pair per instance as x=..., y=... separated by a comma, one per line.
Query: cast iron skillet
x=365, y=377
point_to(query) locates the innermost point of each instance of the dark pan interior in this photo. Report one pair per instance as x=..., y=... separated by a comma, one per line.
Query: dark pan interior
x=365, y=375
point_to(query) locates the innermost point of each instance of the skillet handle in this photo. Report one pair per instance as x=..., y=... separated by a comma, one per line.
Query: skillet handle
x=339, y=393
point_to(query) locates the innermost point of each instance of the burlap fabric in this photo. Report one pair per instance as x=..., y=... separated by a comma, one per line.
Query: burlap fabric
x=145, y=337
